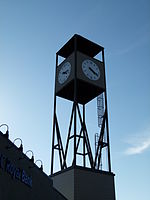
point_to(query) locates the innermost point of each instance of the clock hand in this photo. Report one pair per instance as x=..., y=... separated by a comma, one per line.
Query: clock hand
x=93, y=71
x=65, y=72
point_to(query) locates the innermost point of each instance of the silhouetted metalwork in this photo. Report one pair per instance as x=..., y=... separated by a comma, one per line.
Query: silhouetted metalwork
x=6, y=134
x=80, y=86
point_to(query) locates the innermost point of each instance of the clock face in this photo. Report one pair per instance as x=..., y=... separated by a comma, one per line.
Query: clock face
x=64, y=72
x=90, y=69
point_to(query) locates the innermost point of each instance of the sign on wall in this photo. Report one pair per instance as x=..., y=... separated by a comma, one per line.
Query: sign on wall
x=15, y=172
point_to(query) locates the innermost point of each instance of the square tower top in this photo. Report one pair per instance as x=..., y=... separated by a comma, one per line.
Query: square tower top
x=81, y=44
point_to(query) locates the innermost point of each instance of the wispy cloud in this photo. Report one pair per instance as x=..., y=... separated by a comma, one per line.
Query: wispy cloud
x=138, y=149
x=139, y=143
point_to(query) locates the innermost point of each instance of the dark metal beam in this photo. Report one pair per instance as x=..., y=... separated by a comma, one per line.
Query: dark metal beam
x=53, y=137
x=69, y=131
x=85, y=134
x=107, y=126
x=100, y=140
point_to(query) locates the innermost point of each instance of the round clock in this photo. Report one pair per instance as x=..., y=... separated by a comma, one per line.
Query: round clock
x=64, y=72
x=90, y=69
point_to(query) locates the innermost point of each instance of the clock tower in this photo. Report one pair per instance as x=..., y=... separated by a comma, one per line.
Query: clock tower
x=80, y=78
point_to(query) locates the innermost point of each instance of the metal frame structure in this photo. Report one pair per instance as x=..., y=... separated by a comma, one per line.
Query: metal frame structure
x=76, y=111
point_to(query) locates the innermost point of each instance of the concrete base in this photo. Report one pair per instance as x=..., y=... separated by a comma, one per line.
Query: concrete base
x=78, y=183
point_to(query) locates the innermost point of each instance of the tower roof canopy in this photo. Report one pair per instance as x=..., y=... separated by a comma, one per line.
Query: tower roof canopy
x=82, y=44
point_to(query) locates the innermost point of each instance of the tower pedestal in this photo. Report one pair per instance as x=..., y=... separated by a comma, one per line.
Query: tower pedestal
x=79, y=183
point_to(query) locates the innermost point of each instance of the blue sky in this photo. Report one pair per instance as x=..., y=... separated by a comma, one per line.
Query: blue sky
x=31, y=32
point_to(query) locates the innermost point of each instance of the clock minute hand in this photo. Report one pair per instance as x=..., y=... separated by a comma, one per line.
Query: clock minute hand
x=93, y=71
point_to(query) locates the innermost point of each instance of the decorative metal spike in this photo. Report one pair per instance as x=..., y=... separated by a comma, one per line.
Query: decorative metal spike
x=41, y=168
x=21, y=148
x=6, y=135
x=32, y=158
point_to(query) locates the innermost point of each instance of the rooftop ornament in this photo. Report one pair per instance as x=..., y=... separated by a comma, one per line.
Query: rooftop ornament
x=6, y=134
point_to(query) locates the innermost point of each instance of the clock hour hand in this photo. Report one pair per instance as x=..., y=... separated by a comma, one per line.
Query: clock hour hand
x=65, y=72
x=93, y=71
